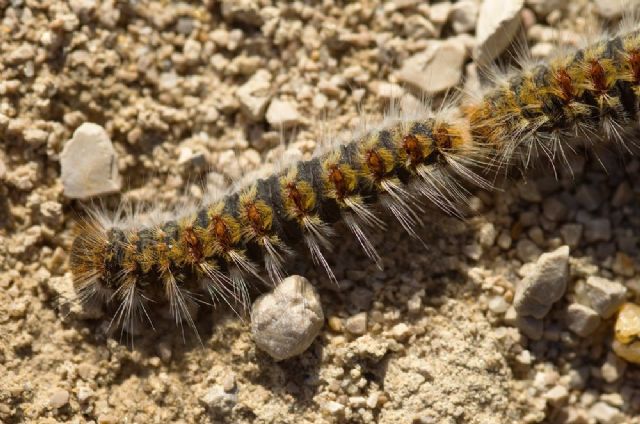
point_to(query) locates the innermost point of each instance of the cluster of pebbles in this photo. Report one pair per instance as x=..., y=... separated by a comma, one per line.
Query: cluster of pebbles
x=527, y=313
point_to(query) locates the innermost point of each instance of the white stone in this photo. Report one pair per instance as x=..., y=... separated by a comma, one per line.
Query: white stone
x=282, y=114
x=254, y=95
x=464, y=15
x=439, y=12
x=436, y=69
x=218, y=401
x=59, y=398
x=545, y=284
x=605, y=414
x=357, y=324
x=604, y=296
x=557, y=395
x=611, y=9
x=498, y=305
x=613, y=368
x=89, y=164
x=582, y=320
x=285, y=322
x=333, y=408
x=498, y=22
x=20, y=54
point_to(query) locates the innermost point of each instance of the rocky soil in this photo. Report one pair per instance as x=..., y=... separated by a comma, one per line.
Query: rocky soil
x=506, y=318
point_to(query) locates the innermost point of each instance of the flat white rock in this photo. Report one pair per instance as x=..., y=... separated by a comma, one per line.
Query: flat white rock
x=435, y=69
x=498, y=22
x=89, y=165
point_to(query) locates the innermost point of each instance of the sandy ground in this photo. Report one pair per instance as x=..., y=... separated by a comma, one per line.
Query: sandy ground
x=169, y=82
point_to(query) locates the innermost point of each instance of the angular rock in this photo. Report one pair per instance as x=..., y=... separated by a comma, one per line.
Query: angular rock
x=604, y=296
x=217, y=401
x=436, y=69
x=88, y=162
x=254, y=95
x=463, y=16
x=603, y=413
x=498, y=22
x=282, y=114
x=544, y=285
x=285, y=322
x=598, y=229
x=357, y=324
x=582, y=320
x=611, y=9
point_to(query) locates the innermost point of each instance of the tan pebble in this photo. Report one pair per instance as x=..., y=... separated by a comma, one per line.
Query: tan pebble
x=335, y=324
x=401, y=331
x=59, y=399
x=436, y=69
x=357, y=324
x=107, y=419
x=282, y=114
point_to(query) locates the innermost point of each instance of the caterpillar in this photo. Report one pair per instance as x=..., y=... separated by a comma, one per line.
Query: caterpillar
x=411, y=159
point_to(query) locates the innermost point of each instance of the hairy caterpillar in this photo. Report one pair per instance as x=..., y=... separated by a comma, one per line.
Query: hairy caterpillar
x=216, y=248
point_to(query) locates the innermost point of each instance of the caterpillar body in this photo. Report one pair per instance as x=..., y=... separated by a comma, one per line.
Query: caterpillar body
x=216, y=248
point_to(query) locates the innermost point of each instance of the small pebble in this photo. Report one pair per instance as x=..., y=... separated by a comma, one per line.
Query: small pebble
x=582, y=320
x=605, y=414
x=463, y=16
x=282, y=114
x=544, y=285
x=571, y=234
x=553, y=209
x=527, y=251
x=254, y=95
x=598, y=229
x=557, y=395
x=611, y=9
x=333, y=408
x=436, y=69
x=88, y=162
x=59, y=398
x=604, y=296
x=498, y=305
x=613, y=368
x=218, y=401
x=286, y=321
x=357, y=324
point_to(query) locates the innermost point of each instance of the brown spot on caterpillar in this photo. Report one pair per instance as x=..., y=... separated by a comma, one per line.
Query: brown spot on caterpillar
x=412, y=147
x=194, y=248
x=221, y=232
x=566, y=85
x=254, y=216
x=338, y=179
x=634, y=62
x=597, y=76
x=442, y=137
x=375, y=163
x=295, y=196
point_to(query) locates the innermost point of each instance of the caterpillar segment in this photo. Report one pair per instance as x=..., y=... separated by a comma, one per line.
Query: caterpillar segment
x=214, y=252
